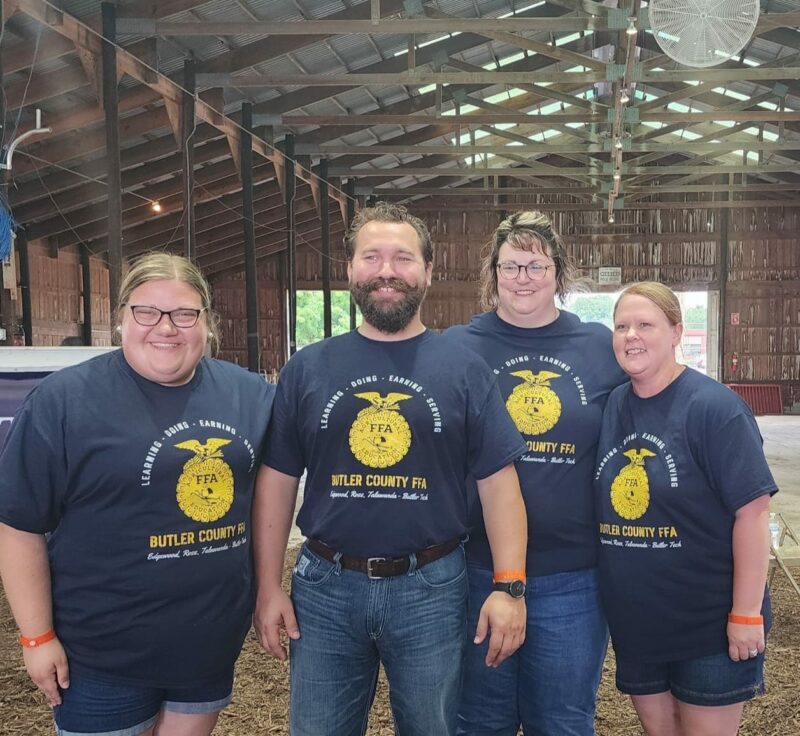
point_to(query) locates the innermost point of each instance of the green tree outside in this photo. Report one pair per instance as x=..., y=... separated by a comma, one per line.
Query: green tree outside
x=593, y=307
x=310, y=326
x=695, y=318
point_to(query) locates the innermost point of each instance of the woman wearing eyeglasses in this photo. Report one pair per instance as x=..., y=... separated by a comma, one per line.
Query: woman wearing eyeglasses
x=138, y=465
x=555, y=373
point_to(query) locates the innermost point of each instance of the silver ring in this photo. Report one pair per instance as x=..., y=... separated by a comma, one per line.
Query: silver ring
x=753, y=652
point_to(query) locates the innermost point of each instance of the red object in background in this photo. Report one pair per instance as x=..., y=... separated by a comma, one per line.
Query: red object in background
x=762, y=398
x=735, y=362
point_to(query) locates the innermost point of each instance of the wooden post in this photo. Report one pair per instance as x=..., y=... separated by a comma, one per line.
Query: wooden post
x=325, y=225
x=86, y=273
x=6, y=317
x=25, y=285
x=289, y=188
x=187, y=158
x=114, y=178
x=724, y=250
x=350, y=191
x=248, y=223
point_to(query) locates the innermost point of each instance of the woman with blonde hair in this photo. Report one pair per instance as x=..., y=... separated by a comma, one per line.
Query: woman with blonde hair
x=125, y=492
x=682, y=496
x=555, y=373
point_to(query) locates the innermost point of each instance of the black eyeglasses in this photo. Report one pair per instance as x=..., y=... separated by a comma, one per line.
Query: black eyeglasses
x=150, y=316
x=536, y=271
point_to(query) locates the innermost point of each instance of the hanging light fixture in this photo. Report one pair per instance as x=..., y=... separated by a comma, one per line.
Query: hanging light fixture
x=631, y=31
x=611, y=219
x=618, y=144
x=617, y=175
x=623, y=98
x=156, y=206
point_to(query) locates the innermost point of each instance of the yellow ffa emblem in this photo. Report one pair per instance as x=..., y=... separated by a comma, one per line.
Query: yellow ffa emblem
x=380, y=435
x=205, y=487
x=630, y=490
x=533, y=405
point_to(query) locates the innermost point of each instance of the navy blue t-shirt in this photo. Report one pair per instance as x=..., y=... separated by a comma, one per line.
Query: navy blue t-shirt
x=672, y=471
x=146, y=490
x=555, y=380
x=388, y=432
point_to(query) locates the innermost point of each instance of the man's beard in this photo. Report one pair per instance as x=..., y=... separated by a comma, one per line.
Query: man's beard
x=387, y=315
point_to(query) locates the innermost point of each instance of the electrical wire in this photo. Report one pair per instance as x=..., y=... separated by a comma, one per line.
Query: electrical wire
x=80, y=238
x=216, y=198
x=83, y=176
x=282, y=231
x=27, y=84
x=145, y=65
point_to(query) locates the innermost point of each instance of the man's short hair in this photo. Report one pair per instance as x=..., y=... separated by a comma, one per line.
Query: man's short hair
x=388, y=212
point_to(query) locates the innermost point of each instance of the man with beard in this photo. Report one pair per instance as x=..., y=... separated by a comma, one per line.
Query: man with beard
x=388, y=421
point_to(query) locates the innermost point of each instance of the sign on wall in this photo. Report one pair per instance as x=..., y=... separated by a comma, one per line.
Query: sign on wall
x=609, y=275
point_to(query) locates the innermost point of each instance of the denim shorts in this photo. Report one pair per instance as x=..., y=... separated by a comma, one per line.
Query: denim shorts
x=100, y=707
x=712, y=680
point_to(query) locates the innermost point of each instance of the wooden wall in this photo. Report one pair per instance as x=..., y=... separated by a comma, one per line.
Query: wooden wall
x=763, y=295
x=680, y=247
x=56, y=296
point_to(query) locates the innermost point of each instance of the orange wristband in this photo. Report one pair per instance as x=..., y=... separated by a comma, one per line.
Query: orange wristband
x=734, y=618
x=37, y=640
x=505, y=575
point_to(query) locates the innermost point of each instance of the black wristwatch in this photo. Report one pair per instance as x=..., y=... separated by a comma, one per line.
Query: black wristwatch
x=515, y=588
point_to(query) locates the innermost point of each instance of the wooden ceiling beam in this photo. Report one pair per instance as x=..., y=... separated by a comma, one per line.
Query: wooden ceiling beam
x=83, y=35
x=132, y=178
x=518, y=24
x=380, y=149
x=136, y=207
x=268, y=244
x=220, y=238
x=416, y=78
x=478, y=191
x=512, y=38
x=151, y=152
x=571, y=207
x=22, y=56
x=545, y=170
x=561, y=118
x=273, y=47
x=425, y=55
x=209, y=215
x=82, y=144
x=42, y=87
x=173, y=202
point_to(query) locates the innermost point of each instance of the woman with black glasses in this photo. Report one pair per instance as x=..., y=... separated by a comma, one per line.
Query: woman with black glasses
x=125, y=492
x=555, y=374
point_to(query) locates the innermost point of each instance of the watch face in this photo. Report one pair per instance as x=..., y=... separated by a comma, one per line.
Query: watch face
x=516, y=588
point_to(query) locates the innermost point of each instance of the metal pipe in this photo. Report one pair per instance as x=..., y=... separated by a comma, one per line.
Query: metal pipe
x=38, y=130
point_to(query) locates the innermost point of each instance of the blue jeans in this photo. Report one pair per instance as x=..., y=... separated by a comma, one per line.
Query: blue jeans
x=92, y=704
x=550, y=684
x=413, y=624
x=711, y=680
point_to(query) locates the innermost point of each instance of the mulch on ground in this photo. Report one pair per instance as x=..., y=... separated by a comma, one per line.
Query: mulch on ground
x=261, y=690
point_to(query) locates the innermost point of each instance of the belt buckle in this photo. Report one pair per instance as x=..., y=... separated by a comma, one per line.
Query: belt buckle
x=374, y=561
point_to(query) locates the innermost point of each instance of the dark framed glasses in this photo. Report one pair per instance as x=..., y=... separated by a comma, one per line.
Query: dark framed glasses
x=182, y=317
x=510, y=270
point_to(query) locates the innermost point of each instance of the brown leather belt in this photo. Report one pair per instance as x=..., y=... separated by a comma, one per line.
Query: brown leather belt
x=383, y=567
